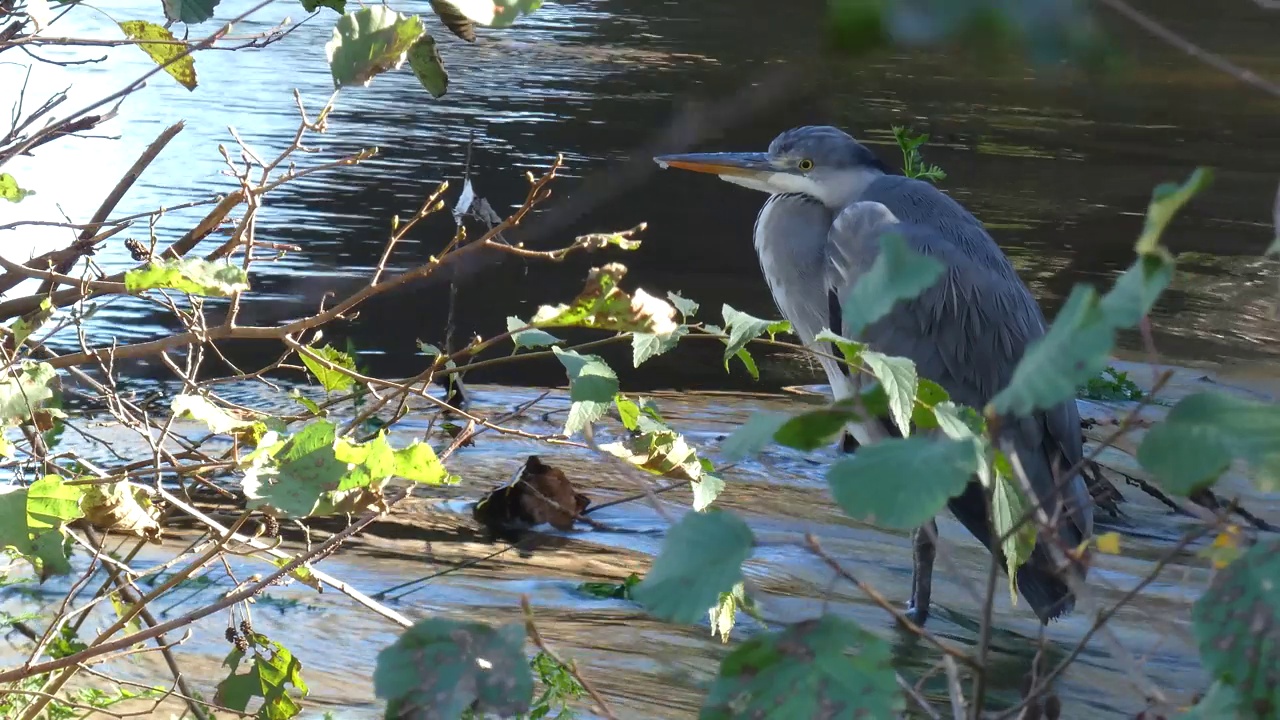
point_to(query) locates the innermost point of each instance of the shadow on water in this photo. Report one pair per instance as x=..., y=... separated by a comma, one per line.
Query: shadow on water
x=1060, y=167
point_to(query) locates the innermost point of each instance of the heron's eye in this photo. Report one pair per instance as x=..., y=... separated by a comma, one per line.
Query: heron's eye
x=805, y=165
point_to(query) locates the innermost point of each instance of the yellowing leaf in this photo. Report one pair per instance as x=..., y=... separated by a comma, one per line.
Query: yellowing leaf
x=9, y=189
x=164, y=51
x=1108, y=543
x=202, y=409
x=605, y=306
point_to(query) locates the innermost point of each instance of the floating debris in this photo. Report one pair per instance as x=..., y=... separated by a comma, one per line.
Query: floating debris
x=542, y=494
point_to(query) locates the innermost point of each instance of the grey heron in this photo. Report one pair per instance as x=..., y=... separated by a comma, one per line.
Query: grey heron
x=830, y=201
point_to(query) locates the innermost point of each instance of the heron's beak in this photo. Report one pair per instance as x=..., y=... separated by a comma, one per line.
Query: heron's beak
x=728, y=164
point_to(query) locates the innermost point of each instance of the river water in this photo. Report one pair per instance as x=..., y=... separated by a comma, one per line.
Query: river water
x=1060, y=166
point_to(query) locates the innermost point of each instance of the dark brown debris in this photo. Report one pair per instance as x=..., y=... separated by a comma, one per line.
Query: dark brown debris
x=542, y=494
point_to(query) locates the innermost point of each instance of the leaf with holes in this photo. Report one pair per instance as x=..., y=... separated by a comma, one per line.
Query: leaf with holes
x=121, y=507
x=163, y=47
x=189, y=12
x=273, y=669
x=196, y=277
x=827, y=667
x=592, y=385
x=897, y=376
x=603, y=305
x=427, y=65
x=439, y=669
x=902, y=483
x=1204, y=433
x=329, y=378
x=1237, y=625
x=293, y=476
x=369, y=42
x=701, y=557
x=898, y=273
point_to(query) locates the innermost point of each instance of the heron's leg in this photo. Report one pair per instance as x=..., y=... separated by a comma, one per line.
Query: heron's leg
x=923, y=552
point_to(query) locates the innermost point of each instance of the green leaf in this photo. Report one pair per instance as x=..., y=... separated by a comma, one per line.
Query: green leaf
x=747, y=361
x=196, y=277
x=162, y=52
x=662, y=451
x=31, y=390
x=1008, y=506
x=857, y=26
x=902, y=484
x=701, y=557
x=811, y=430
x=491, y=13
x=850, y=349
x=898, y=273
x=24, y=326
x=202, y=409
x=419, y=463
x=313, y=5
x=1201, y=436
x=705, y=491
x=51, y=553
x=647, y=345
x=592, y=385
x=1074, y=350
x=897, y=376
x=9, y=189
x=529, y=338
x=687, y=308
x=628, y=411
x=51, y=503
x=13, y=519
x=1136, y=291
x=1237, y=625
x=293, y=477
x=190, y=12
x=828, y=668
x=742, y=329
x=603, y=305
x=425, y=61
x=611, y=591
x=1166, y=200
x=752, y=436
x=273, y=670
x=438, y=669
x=329, y=378
x=369, y=42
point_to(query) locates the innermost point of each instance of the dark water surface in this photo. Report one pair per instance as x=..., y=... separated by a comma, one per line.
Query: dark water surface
x=1061, y=168
x=1059, y=165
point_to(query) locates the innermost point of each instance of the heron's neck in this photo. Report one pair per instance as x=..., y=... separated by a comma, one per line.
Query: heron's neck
x=841, y=189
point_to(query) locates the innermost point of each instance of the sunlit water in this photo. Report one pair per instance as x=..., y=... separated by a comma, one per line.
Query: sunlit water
x=1059, y=167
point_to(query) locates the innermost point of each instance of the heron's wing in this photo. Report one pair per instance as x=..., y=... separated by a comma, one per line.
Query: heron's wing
x=967, y=333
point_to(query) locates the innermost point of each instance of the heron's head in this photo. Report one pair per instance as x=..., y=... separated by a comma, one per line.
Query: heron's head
x=817, y=160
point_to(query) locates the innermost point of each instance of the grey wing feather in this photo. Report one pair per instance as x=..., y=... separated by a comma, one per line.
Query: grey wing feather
x=969, y=330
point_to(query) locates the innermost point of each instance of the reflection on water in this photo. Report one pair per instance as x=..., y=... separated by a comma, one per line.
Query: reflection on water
x=1060, y=166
